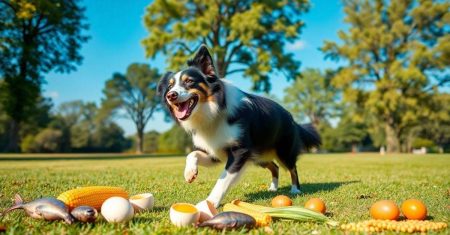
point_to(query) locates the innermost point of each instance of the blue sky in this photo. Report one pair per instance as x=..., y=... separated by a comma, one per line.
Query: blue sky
x=116, y=30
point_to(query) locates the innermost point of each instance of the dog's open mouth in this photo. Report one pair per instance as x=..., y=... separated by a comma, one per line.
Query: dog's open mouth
x=184, y=109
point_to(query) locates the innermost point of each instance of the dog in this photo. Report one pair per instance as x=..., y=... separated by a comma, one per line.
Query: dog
x=231, y=126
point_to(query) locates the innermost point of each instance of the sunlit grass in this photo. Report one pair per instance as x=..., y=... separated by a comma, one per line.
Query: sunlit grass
x=348, y=184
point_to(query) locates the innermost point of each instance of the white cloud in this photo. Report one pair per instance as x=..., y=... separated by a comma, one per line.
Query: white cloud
x=52, y=94
x=297, y=45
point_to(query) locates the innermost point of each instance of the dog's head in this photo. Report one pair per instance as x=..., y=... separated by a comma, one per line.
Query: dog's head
x=195, y=91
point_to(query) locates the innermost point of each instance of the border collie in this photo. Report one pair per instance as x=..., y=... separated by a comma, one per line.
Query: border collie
x=231, y=126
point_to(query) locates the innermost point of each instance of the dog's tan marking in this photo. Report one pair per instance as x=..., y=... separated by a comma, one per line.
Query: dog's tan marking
x=184, y=77
x=171, y=82
x=201, y=95
x=211, y=98
x=205, y=87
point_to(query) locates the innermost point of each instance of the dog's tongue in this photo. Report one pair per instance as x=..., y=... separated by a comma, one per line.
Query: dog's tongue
x=182, y=110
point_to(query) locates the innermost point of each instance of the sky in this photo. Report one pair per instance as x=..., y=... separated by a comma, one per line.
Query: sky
x=116, y=30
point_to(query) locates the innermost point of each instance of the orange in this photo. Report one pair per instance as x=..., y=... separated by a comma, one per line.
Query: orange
x=414, y=209
x=385, y=210
x=316, y=204
x=281, y=200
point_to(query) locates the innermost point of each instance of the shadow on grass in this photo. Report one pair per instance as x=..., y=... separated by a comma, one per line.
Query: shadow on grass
x=84, y=157
x=306, y=188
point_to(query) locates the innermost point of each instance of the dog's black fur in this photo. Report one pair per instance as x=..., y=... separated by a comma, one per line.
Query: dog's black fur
x=264, y=126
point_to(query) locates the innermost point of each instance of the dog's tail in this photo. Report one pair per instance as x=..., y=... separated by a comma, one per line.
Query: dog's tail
x=309, y=136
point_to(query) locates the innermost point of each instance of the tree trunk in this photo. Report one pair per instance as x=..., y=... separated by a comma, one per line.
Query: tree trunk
x=441, y=149
x=392, y=140
x=140, y=141
x=13, y=143
x=354, y=147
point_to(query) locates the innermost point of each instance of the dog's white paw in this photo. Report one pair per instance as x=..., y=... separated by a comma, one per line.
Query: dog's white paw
x=273, y=187
x=295, y=190
x=190, y=173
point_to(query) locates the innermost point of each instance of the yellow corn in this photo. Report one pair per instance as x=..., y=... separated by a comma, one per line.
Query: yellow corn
x=406, y=226
x=91, y=196
x=262, y=219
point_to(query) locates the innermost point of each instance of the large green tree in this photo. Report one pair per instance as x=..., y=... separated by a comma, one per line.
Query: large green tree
x=395, y=53
x=312, y=97
x=245, y=36
x=36, y=37
x=135, y=93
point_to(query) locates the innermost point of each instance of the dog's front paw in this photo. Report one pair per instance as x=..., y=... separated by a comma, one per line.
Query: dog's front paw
x=190, y=173
x=295, y=190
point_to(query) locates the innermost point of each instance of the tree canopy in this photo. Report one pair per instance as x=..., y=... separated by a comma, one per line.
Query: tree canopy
x=245, y=36
x=135, y=93
x=36, y=37
x=312, y=97
x=395, y=54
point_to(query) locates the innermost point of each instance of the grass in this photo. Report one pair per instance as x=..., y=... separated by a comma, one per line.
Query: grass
x=348, y=184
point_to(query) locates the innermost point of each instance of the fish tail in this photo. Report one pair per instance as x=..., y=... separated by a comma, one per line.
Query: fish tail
x=18, y=202
x=10, y=209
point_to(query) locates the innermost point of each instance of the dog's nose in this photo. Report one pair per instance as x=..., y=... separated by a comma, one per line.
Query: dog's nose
x=172, y=95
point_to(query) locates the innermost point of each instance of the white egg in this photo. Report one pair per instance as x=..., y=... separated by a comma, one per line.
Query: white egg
x=117, y=209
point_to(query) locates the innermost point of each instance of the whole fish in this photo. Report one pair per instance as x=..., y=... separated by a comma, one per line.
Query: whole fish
x=229, y=220
x=44, y=208
x=84, y=214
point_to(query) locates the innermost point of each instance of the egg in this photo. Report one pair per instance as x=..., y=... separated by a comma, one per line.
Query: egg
x=117, y=210
x=143, y=201
x=183, y=214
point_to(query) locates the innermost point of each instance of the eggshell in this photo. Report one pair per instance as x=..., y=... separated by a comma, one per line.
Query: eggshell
x=183, y=214
x=117, y=210
x=207, y=210
x=143, y=201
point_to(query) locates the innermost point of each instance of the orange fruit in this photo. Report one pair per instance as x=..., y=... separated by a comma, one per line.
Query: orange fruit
x=281, y=200
x=316, y=204
x=414, y=209
x=385, y=210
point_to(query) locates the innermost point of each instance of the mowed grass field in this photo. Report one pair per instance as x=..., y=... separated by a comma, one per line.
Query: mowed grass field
x=348, y=184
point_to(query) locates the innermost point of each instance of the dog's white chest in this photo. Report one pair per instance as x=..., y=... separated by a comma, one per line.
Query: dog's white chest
x=215, y=141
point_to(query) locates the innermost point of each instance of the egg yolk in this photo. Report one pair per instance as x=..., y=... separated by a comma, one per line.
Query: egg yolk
x=185, y=208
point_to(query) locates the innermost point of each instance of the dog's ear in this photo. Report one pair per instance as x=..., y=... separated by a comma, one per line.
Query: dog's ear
x=204, y=62
x=163, y=83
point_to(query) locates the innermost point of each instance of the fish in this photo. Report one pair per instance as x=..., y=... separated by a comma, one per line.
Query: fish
x=229, y=220
x=85, y=214
x=48, y=208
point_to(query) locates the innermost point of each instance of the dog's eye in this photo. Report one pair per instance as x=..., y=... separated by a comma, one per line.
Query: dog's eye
x=189, y=81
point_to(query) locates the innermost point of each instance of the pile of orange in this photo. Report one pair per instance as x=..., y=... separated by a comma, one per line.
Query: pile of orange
x=412, y=209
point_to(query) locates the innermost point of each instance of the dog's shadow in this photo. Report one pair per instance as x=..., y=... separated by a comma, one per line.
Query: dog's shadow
x=306, y=188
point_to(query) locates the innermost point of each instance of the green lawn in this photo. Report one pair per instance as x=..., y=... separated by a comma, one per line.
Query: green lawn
x=348, y=184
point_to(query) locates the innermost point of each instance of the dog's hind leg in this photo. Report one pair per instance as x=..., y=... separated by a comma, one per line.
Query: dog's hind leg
x=295, y=188
x=273, y=168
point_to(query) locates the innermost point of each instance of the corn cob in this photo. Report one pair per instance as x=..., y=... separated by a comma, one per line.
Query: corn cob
x=262, y=219
x=407, y=226
x=289, y=212
x=91, y=196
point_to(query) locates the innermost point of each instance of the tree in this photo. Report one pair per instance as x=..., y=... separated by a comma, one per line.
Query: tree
x=175, y=140
x=36, y=37
x=47, y=141
x=134, y=92
x=85, y=129
x=245, y=36
x=351, y=129
x=436, y=126
x=312, y=97
x=396, y=52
